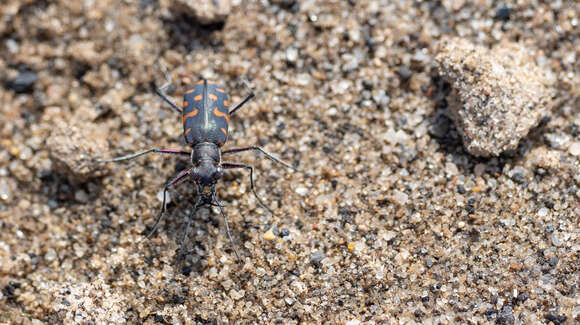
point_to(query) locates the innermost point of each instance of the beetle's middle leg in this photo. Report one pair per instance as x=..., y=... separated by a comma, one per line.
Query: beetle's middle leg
x=228, y=165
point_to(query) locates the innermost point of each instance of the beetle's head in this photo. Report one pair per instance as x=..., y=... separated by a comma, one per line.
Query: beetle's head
x=206, y=175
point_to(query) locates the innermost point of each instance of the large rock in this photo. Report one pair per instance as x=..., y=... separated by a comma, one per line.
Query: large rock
x=497, y=95
x=75, y=146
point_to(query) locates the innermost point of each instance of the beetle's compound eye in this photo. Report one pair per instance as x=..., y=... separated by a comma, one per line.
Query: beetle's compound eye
x=195, y=174
x=218, y=173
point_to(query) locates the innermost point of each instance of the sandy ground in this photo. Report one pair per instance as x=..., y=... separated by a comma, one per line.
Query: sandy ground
x=392, y=221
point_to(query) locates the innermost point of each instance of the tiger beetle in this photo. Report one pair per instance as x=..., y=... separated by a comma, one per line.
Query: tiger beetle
x=206, y=115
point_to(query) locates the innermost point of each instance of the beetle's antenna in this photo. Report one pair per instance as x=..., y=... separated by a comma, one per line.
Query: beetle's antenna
x=245, y=100
x=161, y=90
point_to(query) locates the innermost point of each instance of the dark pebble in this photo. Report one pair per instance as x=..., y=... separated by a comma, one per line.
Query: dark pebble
x=556, y=319
x=23, y=83
x=469, y=207
x=367, y=84
x=440, y=128
x=490, y=312
x=503, y=13
x=429, y=262
x=574, y=129
x=506, y=315
x=186, y=270
x=518, y=178
x=523, y=296
x=434, y=288
x=419, y=314
x=404, y=73
x=177, y=300
x=316, y=258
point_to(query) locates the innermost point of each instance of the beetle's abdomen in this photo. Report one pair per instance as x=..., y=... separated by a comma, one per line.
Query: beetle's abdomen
x=205, y=114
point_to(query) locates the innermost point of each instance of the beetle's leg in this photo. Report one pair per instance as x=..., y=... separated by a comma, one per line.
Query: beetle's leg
x=228, y=165
x=227, y=226
x=269, y=156
x=245, y=100
x=176, y=180
x=141, y=153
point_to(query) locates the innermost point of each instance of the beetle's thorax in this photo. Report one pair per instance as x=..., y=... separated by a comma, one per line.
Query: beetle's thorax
x=205, y=151
x=206, y=159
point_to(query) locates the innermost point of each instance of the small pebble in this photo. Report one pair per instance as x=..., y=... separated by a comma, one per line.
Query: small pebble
x=400, y=197
x=405, y=73
x=284, y=233
x=557, y=140
x=302, y=191
x=269, y=235
x=260, y=272
x=574, y=148
x=350, y=247
x=81, y=196
x=204, y=11
x=7, y=187
x=503, y=13
x=317, y=257
x=543, y=212
x=23, y=83
x=292, y=54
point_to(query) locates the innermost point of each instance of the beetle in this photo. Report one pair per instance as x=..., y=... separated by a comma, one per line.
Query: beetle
x=205, y=116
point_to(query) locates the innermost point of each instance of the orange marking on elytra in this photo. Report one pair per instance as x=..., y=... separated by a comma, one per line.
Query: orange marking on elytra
x=216, y=112
x=226, y=103
x=225, y=132
x=220, y=90
x=212, y=97
x=191, y=114
x=190, y=91
x=209, y=82
x=185, y=103
x=198, y=97
x=199, y=82
x=187, y=131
